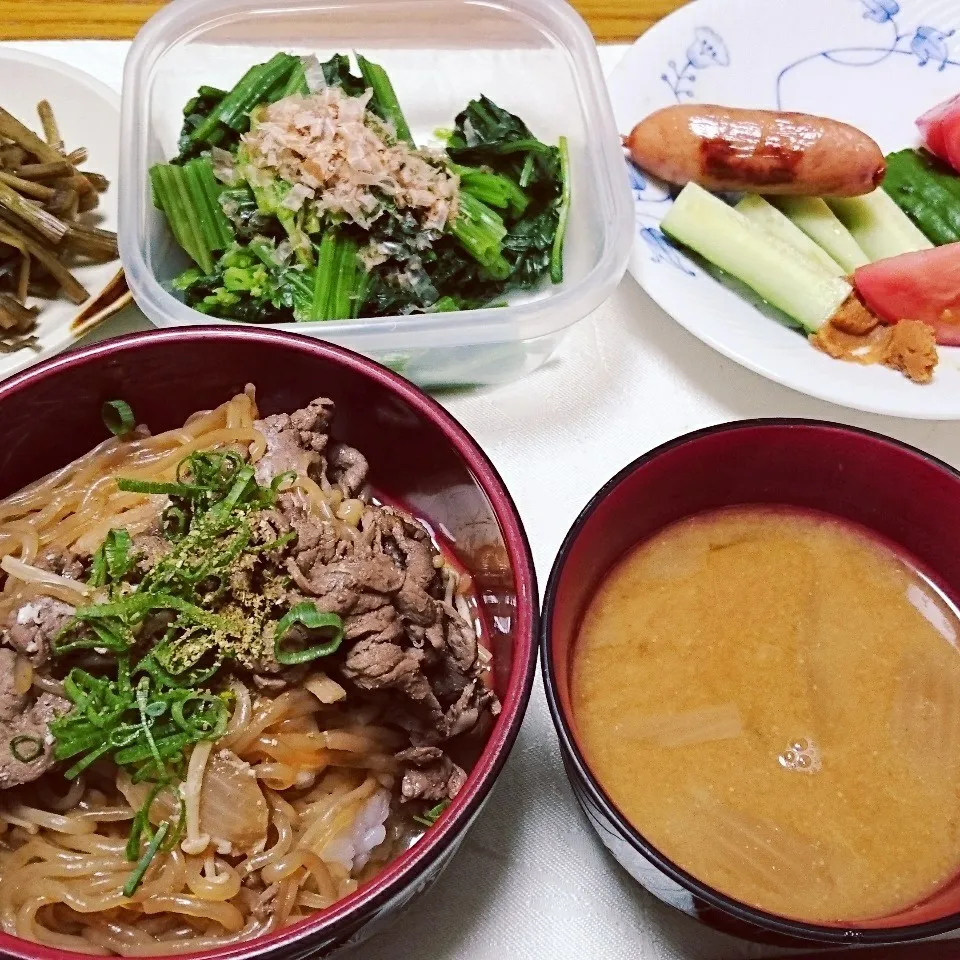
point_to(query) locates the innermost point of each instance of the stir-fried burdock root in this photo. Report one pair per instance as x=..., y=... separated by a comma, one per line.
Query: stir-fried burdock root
x=42, y=195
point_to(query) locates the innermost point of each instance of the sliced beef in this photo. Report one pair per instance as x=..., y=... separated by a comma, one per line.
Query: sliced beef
x=295, y=441
x=373, y=621
x=317, y=540
x=348, y=468
x=29, y=720
x=465, y=713
x=430, y=775
x=31, y=628
x=402, y=640
x=149, y=548
x=11, y=702
x=63, y=564
x=461, y=641
x=338, y=586
x=381, y=662
x=412, y=541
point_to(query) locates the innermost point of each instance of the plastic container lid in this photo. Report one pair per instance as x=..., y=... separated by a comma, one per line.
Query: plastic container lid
x=535, y=58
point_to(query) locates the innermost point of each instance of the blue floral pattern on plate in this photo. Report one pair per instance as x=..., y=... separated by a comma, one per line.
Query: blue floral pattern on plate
x=707, y=50
x=649, y=195
x=928, y=44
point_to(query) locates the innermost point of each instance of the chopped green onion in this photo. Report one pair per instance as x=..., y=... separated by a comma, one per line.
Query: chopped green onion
x=118, y=417
x=136, y=878
x=288, y=537
x=141, y=822
x=143, y=691
x=165, y=748
x=128, y=485
x=310, y=617
x=117, y=553
x=173, y=522
x=429, y=818
x=98, y=569
x=556, y=255
x=206, y=727
x=89, y=759
x=33, y=751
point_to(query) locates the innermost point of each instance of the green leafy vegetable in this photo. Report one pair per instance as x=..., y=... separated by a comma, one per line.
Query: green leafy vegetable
x=336, y=73
x=189, y=197
x=229, y=116
x=384, y=101
x=196, y=111
x=247, y=285
x=118, y=417
x=490, y=137
x=264, y=257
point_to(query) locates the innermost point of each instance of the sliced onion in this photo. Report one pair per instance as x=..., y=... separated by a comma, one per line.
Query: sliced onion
x=325, y=689
x=233, y=809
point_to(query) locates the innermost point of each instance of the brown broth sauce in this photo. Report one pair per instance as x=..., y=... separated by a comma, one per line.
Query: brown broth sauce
x=772, y=698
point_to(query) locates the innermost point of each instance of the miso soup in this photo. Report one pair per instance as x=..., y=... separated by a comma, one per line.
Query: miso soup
x=772, y=698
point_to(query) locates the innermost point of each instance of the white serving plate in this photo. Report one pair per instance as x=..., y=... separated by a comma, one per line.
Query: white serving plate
x=88, y=114
x=877, y=64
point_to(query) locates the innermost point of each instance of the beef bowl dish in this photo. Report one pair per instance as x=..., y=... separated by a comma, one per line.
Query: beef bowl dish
x=267, y=638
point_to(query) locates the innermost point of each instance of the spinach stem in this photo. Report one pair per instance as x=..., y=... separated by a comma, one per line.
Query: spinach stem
x=556, y=254
x=385, y=101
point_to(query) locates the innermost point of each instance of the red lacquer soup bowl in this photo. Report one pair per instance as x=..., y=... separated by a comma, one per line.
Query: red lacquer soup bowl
x=905, y=496
x=419, y=456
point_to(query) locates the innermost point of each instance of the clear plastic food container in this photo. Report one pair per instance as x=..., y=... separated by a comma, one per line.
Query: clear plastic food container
x=535, y=57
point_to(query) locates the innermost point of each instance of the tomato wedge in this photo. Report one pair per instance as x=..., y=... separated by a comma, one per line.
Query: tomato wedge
x=940, y=128
x=916, y=286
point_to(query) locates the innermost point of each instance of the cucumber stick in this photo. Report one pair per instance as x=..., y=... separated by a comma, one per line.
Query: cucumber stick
x=820, y=224
x=880, y=227
x=927, y=191
x=766, y=264
x=767, y=216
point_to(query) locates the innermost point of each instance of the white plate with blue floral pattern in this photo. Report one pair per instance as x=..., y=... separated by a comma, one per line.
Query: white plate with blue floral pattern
x=877, y=64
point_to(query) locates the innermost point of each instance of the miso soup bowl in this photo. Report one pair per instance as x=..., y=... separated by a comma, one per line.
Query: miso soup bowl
x=899, y=492
x=419, y=456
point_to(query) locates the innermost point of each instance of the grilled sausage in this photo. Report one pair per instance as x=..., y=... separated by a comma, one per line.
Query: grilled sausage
x=757, y=151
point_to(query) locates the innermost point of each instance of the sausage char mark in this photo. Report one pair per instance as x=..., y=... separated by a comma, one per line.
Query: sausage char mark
x=767, y=164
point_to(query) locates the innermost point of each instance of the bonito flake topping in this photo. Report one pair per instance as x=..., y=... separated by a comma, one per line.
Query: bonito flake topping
x=342, y=159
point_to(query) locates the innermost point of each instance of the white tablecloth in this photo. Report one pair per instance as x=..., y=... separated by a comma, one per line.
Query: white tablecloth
x=531, y=879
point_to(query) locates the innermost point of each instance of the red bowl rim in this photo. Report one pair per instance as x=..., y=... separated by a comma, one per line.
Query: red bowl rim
x=403, y=872
x=600, y=798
